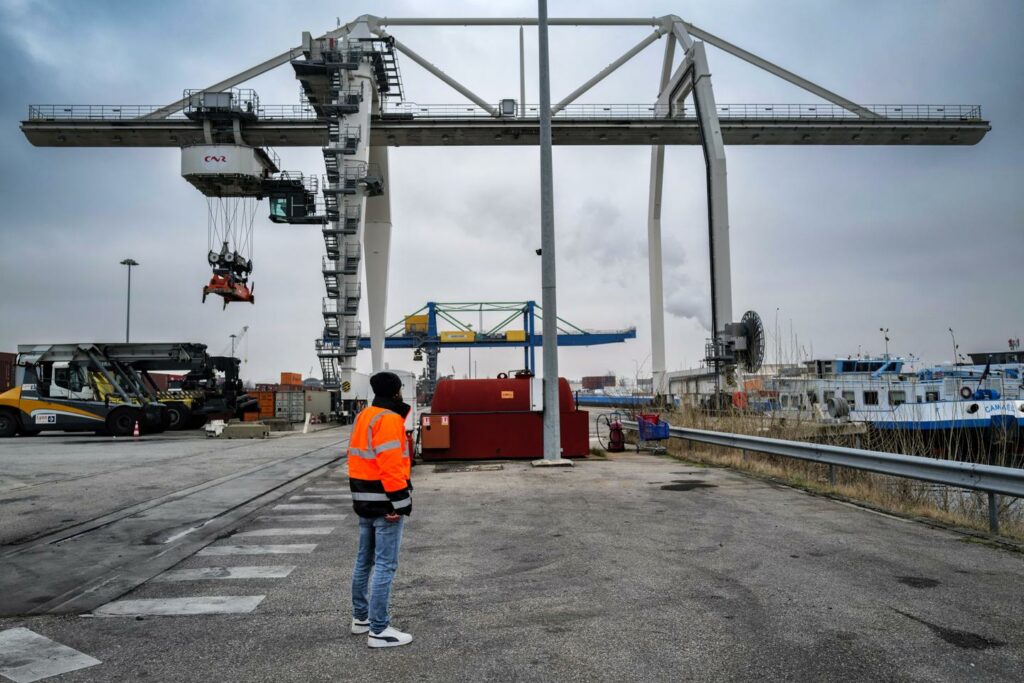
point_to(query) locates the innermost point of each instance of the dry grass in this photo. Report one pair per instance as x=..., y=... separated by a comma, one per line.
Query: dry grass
x=942, y=504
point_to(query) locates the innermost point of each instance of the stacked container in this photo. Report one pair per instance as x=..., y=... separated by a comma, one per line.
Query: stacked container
x=290, y=405
x=7, y=371
x=291, y=379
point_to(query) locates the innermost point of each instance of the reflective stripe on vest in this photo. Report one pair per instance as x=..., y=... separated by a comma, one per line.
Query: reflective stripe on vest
x=369, y=496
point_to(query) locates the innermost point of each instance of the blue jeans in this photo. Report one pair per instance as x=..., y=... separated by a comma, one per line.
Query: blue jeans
x=379, y=540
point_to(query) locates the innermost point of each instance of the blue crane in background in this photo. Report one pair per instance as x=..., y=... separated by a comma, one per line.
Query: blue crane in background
x=518, y=328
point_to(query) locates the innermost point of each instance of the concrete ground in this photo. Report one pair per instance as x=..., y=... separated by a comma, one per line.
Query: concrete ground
x=632, y=568
x=55, y=480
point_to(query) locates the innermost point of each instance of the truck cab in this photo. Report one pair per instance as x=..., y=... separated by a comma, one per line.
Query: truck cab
x=75, y=387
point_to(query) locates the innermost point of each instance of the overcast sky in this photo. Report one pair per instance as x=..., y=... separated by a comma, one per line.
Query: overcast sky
x=832, y=242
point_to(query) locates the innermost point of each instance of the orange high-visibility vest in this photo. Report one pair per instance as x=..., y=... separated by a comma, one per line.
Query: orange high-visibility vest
x=379, y=465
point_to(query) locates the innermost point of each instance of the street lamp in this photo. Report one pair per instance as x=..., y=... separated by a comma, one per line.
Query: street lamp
x=128, y=319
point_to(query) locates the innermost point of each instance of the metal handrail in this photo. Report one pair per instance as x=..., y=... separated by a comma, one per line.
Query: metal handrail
x=779, y=112
x=1007, y=481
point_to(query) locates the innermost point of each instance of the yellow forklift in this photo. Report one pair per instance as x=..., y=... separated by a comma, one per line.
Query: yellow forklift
x=77, y=387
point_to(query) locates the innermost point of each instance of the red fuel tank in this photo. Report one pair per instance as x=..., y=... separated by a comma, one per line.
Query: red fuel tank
x=491, y=419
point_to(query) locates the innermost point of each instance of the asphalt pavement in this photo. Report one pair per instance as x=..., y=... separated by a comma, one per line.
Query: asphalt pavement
x=632, y=568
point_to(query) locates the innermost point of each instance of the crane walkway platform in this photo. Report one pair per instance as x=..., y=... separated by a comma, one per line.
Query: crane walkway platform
x=413, y=125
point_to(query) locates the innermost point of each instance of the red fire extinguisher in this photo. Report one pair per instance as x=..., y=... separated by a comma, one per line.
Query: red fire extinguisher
x=616, y=439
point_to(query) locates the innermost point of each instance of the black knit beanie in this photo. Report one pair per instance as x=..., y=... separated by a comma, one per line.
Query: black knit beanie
x=386, y=384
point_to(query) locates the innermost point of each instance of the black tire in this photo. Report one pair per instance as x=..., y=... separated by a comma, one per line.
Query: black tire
x=8, y=424
x=122, y=421
x=178, y=416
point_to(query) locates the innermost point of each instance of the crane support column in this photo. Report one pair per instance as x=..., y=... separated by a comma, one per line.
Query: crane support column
x=718, y=199
x=654, y=258
x=377, y=254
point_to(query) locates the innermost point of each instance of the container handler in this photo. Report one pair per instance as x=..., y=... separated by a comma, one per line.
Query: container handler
x=211, y=387
x=77, y=387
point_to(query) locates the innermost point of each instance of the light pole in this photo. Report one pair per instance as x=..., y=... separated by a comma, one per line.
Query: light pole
x=233, y=337
x=128, y=318
x=552, y=428
x=885, y=334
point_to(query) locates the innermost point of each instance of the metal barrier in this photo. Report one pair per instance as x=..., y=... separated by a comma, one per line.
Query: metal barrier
x=991, y=479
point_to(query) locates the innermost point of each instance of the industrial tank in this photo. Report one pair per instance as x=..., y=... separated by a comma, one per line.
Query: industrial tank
x=481, y=419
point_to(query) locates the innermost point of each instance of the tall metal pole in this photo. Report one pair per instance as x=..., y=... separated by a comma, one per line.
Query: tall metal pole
x=128, y=314
x=552, y=431
x=522, y=75
x=128, y=307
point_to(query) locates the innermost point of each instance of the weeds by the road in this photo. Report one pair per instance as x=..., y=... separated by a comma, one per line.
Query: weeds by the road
x=967, y=509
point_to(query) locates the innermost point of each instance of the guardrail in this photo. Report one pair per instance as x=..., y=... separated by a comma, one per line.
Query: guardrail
x=411, y=110
x=991, y=479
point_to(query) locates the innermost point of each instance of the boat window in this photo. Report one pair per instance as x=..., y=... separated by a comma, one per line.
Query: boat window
x=871, y=398
x=785, y=400
x=812, y=396
x=897, y=398
x=931, y=396
x=850, y=397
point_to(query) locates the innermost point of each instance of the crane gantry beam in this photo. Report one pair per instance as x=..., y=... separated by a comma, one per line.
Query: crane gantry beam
x=51, y=127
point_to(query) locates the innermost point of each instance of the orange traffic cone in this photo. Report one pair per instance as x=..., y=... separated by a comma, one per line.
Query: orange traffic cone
x=135, y=432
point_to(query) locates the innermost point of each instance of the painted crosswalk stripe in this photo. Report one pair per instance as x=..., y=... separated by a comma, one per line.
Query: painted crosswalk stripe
x=172, y=607
x=300, y=518
x=289, y=531
x=215, y=573
x=26, y=656
x=322, y=496
x=292, y=549
x=340, y=489
x=303, y=506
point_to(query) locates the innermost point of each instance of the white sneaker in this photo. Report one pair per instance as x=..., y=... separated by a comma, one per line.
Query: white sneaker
x=360, y=626
x=389, y=637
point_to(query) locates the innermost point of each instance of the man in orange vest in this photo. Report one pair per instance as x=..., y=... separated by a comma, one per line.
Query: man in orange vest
x=378, y=474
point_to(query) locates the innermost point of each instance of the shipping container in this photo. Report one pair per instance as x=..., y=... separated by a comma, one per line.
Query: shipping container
x=416, y=324
x=515, y=335
x=7, y=370
x=451, y=336
x=250, y=417
x=290, y=405
x=598, y=382
x=318, y=402
x=291, y=379
x=265, y=403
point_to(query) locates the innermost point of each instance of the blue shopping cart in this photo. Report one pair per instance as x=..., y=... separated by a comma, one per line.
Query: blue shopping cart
x=652, y=430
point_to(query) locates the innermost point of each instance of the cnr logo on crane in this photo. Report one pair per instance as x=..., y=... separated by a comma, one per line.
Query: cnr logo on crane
x=213, y=157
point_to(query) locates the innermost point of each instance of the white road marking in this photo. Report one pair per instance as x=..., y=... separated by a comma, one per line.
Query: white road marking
x=299, y=518
x=26, y=656
x=322, y=496
x=169, y=607
x=289, y=531
x=303, y=506
x=205, y=573
x=322, y=490
x=295, y=549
